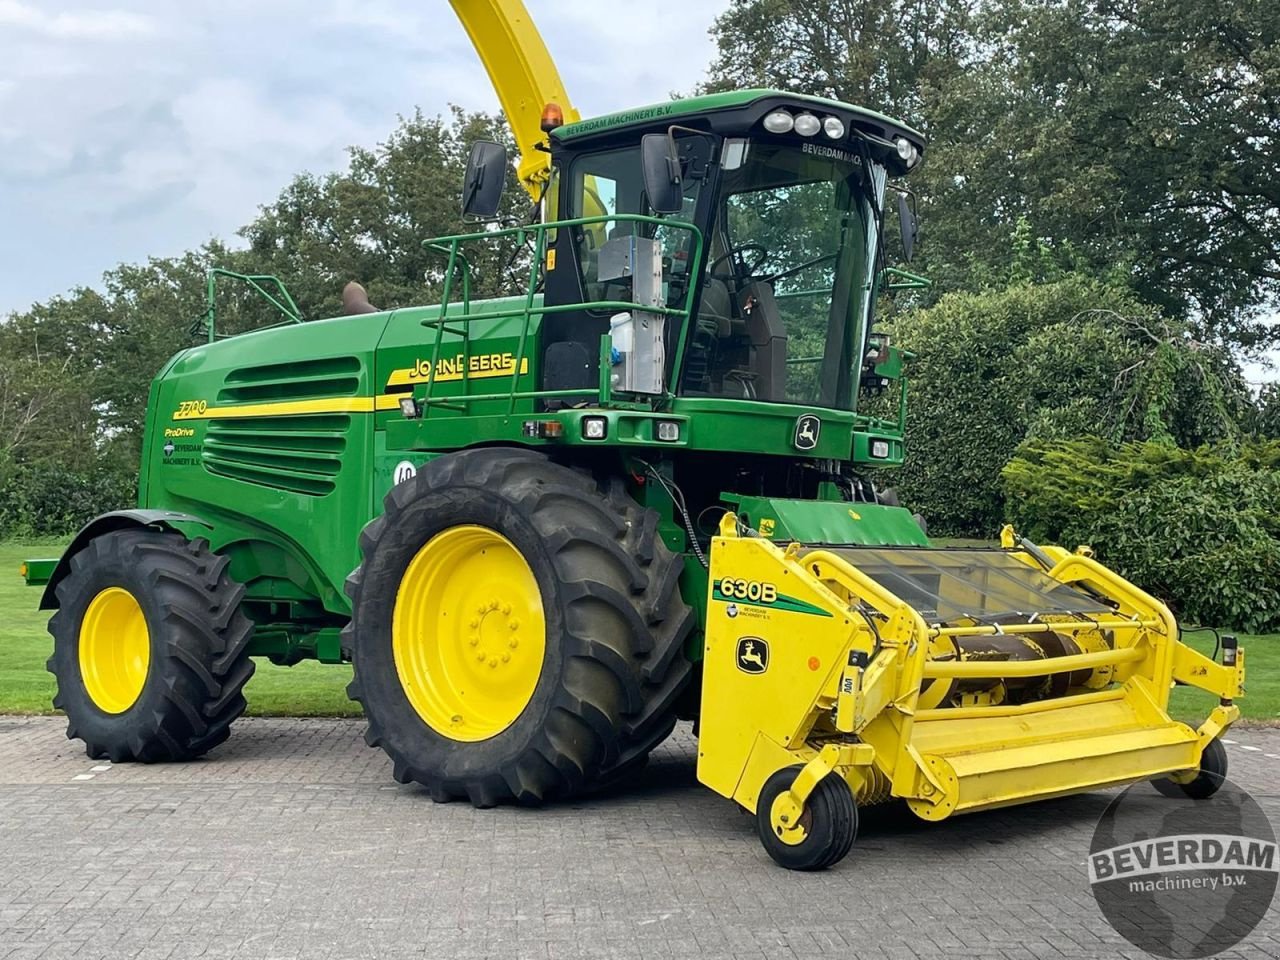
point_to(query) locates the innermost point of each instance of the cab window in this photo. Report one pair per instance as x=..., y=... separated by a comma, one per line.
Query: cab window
x=608, y=183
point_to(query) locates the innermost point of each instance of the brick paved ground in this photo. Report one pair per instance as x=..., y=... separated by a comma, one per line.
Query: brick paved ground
x=292, y=840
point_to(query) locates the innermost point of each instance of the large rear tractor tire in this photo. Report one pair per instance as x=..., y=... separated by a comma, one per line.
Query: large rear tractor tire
x=149, y=647
x=517, y=629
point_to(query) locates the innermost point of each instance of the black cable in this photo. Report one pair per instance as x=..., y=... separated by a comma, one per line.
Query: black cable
x=875, y=631
x=1217, y=638
x=677, y=498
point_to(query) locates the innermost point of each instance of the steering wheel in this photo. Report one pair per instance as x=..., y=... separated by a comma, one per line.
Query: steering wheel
x=758, y=248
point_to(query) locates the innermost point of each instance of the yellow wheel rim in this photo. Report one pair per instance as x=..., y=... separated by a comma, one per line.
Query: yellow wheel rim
x=468, y=633
x=115, y=650
x=794, y=832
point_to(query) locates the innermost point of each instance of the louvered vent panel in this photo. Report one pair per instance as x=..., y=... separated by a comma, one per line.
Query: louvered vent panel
x=301, y=454
x=299, y=380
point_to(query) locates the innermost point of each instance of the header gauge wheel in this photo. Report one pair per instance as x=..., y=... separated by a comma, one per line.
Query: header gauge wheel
x=1212, y=773
x=517, y=629
x=826, y=829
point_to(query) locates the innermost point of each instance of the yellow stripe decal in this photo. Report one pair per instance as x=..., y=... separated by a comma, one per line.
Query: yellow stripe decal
x=285, y=408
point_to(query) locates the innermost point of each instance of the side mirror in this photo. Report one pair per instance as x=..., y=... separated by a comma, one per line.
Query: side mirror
x=661, y=168
x=910, y=226
x=485, y=178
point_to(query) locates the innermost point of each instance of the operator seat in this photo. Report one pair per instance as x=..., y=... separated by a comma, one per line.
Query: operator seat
x=768, y=336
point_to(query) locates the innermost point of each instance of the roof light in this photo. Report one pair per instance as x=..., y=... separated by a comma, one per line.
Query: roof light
x=907, y=151
x=779, y=122
x=833, y=127
x=552, y=117
x=807, y=124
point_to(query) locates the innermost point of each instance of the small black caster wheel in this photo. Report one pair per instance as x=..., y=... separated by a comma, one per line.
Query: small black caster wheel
x=825, y=830
x=1213, y=770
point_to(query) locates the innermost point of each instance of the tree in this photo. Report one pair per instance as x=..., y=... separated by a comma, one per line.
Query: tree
x=1147, y=133
x=1135, y=140
x=75, y=371
x=369, y=222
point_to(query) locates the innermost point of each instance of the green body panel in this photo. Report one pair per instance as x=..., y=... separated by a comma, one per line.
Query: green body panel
x=286, y=494
x=817, y=521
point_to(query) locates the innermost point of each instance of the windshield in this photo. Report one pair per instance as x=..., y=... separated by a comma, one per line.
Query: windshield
x=787, y=295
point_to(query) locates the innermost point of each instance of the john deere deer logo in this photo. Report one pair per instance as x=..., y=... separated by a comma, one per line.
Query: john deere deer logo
x=753, y=655
x=807, y=429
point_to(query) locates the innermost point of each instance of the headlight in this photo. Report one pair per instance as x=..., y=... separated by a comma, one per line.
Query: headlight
x=779, y=122
x=807, y=124
x=409, y=407
x=594, y=428
x=833, y=127
x=880, y=449
x=907, y=151
x=668, y=430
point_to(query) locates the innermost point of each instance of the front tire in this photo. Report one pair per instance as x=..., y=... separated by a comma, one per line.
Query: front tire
x=1213, y=771
x=828, y=825
x=149, y=647
x=489, y=546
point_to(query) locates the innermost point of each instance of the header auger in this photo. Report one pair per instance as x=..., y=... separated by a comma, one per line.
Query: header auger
x=544, y=528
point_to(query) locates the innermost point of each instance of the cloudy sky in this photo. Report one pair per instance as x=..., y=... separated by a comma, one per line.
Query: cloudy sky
x=131, y=128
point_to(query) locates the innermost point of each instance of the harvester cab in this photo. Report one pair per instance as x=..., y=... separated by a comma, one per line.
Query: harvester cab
x=542, y=528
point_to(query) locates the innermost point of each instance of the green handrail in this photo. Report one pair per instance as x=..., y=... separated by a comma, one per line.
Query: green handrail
x=449, y=246
x=907, y=280
x=255, y=281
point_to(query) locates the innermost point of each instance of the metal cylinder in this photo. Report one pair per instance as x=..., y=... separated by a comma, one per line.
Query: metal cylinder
x=1006, y=648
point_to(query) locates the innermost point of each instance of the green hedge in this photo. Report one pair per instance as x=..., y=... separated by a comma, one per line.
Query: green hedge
x=48, y=500
x=1199, y=529
x=1044, y=361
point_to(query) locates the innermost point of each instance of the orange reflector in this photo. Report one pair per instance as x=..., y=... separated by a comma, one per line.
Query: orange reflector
x=552, y=117
x=22, y=571
x=814, y=663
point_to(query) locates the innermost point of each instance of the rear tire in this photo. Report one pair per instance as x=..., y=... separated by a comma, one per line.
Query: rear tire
x=612, y=666
x=1213, y=771
x=156, y=669
x=830, y=818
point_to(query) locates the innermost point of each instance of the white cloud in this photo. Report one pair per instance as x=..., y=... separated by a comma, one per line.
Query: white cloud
x=85, y=24
x=128, y=130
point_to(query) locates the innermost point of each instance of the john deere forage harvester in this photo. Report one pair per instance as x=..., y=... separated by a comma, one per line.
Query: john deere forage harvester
x=543, y=528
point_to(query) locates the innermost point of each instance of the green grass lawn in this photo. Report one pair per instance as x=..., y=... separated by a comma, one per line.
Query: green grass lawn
x=319, y=690
x=308, y=690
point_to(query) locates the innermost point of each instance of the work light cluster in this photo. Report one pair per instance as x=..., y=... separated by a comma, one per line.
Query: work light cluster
x=807, y=124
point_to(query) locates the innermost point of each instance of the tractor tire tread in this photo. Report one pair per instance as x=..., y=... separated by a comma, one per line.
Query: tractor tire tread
x=625, y=625
x=199, y=661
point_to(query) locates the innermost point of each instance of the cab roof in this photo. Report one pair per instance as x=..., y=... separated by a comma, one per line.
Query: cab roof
x=734, y=100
